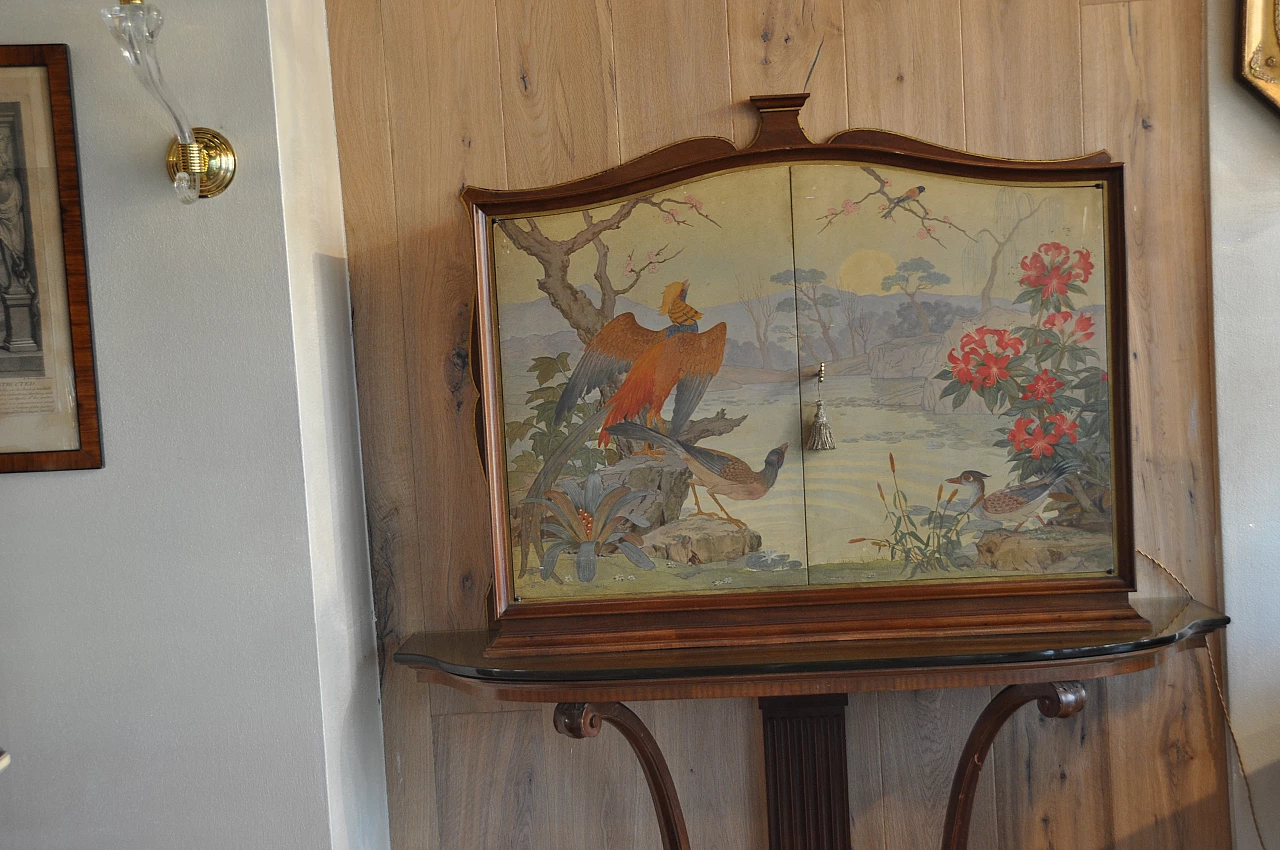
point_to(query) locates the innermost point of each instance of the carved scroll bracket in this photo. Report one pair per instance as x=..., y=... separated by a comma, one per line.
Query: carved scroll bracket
x=1056, y=699
x=586, y=719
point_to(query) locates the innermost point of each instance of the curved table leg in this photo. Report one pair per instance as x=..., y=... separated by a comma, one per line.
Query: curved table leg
x=1057, y=699
x=585, y=719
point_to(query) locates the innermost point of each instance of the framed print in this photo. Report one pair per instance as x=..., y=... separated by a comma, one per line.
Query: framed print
x=659, y=342
x=48, y=400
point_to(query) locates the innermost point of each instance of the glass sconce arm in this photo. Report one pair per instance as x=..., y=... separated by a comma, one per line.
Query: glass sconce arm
x=135, y=26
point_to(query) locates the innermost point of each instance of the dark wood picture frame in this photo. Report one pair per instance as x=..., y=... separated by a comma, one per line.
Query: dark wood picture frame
x=814, y=613
x=53, y=58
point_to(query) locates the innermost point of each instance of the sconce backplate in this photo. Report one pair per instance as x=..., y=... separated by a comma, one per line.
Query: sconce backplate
x=221, y=157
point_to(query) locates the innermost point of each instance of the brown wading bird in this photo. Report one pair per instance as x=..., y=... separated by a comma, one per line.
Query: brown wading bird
x=655, y=362
x=716, y=472
x=1017, y=503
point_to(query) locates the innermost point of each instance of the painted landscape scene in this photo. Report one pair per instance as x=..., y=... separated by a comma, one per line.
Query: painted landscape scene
x=658, y=363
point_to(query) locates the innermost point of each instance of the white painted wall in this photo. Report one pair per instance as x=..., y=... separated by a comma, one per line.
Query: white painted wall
x=1244, y=152
x=186, y=638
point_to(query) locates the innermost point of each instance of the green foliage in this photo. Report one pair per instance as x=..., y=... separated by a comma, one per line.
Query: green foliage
x=914, y=275
x=540, y=432
x=591, y=520
x=925, y=539
x=1041, y=376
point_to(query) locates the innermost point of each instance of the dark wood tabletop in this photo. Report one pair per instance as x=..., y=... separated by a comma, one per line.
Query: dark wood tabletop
x=458, y=660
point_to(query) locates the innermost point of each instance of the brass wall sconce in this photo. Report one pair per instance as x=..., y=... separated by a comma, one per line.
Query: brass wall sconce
x=201, y=161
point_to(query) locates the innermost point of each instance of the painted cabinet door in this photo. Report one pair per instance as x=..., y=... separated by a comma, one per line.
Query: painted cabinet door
x=963, y=328
x=654, y=349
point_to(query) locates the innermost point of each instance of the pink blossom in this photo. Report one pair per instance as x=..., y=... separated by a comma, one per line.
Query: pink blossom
x=888, y=183
x=833, y=211
x=668, y=218
x=856, y=207
x=848, y=206
x=922, y=233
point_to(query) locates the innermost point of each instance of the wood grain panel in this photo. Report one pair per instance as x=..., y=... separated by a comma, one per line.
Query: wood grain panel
x=1022, y=78
x=778, y=47
x=672, y=59
x=921, y=736
x=368, y=197
x=1140, y=60
x=1167, y=756
x=558, y=100
x=446, y=130
x=596, y=795
x=1053, y=780
x=492, y=788
x=866, y=786
x=905, y=68
x=715, y=749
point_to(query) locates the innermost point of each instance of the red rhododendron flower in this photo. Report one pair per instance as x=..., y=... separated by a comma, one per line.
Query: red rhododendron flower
x=1083, y=265
x=1051, y=268
x=962, y=367
x=1035, y=268
x=1018, y=433
x=1042, y=387
x=991, y=369
x=976, y=339
x=1083, y=325
x=1054, y=320
x=1040, y=443
x=1008, y=341
x=1063, y=428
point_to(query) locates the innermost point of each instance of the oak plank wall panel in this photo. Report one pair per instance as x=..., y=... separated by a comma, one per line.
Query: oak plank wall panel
x=906, y=68
x=779, y=47
x=559, y=102
x=1053, y=779
x=500, y=93
x=672, y=59
x=446, y=131
x=1022, y=78
x=922, y=734
x=1136, y=107
x=596, y=795
x=364, y=145
x=496, y=788
x=862, y=756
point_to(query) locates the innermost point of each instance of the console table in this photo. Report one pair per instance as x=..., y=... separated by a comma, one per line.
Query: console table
x=802, y=689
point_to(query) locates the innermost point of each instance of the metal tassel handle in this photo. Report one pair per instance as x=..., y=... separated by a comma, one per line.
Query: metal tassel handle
x=820, y=437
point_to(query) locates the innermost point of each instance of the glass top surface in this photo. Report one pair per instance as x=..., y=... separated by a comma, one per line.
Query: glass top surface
x=463, y=653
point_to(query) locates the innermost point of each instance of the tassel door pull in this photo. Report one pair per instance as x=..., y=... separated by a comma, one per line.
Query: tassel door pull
x=820, y=437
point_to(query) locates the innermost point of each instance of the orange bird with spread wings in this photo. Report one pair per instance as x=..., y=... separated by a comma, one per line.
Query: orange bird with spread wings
x=678, y=357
